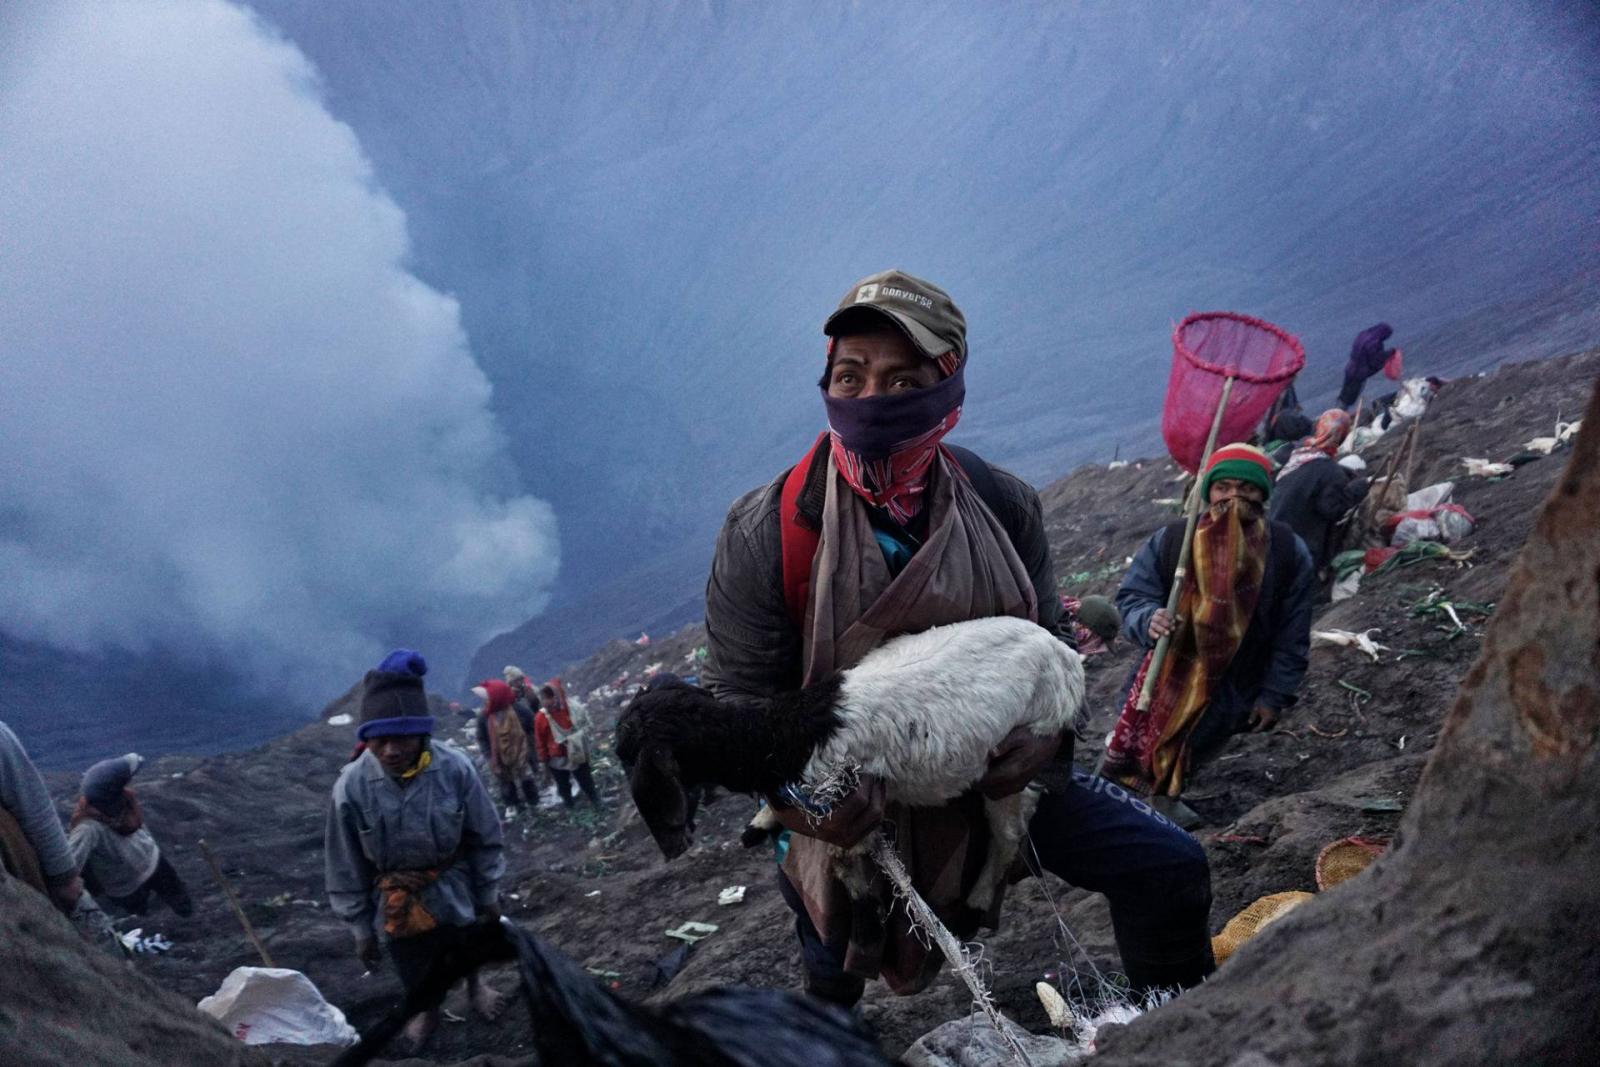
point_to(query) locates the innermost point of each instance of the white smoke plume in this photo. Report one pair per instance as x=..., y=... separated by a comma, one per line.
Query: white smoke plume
x=230, y=419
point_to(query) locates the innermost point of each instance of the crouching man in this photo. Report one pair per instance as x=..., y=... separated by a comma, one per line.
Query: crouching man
x=1240, y=640
x=883, y=530
x=119, y=858
x=414, y=846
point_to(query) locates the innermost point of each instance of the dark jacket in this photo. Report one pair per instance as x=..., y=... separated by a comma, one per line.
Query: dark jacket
x=1311, y=499
x=1271, y=662
x=752, y=643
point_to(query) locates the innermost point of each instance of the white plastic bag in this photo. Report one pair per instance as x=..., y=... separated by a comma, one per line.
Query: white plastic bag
x=1413, y=398
x=1428, y=498
x=1416, y=529
x=1454, y=523
x=274, y=1005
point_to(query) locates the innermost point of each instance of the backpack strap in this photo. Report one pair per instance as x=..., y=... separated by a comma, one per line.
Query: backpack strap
x=983, y=481
x=798, y=537
x=1171, y=549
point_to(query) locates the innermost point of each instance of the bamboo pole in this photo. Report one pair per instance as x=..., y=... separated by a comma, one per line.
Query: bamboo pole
x=233, y=902
x=1147, y=694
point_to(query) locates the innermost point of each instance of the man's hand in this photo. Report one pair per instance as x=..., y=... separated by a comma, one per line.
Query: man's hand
x=1262, y=719
x=851, y=820
x=367, y=952
x=1019, y=756
x=67, y=892
x=1161, y=624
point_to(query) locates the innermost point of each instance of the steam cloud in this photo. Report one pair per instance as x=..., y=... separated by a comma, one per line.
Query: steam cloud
x=230, y=419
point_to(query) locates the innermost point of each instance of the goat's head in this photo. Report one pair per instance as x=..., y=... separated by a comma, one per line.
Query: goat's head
x=653, y=728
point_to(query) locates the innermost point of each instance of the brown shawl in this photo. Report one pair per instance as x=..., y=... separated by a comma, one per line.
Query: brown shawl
x=967, y=569
x=508, y=743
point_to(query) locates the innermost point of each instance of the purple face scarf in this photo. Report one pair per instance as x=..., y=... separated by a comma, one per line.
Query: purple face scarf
x=884, y=446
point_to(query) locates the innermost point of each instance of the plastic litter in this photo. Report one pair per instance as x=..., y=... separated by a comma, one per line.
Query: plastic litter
x=692, y=931
x=668, y=966
x=275, y=1005
x=1348, y=586
x=1482, y=468
x=1429, y=497
x=1361, y=642
x=344, y=719
x=1352, y=462
x=136, y=943
x=734, y=894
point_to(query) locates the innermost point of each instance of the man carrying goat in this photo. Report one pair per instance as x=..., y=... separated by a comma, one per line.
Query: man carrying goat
x=881, y=530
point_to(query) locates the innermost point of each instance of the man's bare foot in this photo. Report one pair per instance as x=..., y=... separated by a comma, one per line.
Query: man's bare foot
x=487, y=1001
x=420, y=1029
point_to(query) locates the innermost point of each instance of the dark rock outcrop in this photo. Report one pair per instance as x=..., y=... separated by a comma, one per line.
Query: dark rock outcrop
x=1472, y=941
x=65, y=1004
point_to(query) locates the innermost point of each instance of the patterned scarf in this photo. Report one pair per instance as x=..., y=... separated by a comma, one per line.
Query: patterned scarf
x=1333, y=426
x=128, y=819
x=1150, y=751
x=884, y=447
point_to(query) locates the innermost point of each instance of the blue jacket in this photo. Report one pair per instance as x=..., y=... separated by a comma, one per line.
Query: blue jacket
x=1271, y=662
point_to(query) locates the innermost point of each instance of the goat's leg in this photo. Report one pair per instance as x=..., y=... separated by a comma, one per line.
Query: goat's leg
x=1008, y=821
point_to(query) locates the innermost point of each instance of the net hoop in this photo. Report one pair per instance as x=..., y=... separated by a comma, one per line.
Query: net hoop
x=1220, y=371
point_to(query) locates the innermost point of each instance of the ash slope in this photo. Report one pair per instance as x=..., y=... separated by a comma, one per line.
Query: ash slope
x=597, y=888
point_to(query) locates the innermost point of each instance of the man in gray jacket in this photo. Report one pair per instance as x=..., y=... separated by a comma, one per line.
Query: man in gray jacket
x=32, y=845
x=414, y=846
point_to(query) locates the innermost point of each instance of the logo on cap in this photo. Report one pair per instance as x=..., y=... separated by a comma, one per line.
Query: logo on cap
x=867, y=293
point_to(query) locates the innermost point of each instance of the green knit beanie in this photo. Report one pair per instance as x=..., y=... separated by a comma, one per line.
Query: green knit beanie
x=1244, y=463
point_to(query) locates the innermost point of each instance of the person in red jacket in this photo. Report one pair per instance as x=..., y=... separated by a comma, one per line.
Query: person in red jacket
x=563, y=745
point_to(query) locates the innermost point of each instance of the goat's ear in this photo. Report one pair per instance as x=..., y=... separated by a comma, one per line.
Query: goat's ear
x=657, y=788
x=658, y=765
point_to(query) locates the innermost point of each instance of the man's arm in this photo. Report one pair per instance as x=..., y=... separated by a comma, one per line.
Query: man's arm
x=482, y=842
x=23, y=794
x=1142, y=592
x=1291, y=641
x=348, y=872
x=752, y=644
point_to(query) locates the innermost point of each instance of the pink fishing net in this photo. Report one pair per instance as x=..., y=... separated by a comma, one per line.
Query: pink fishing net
x=1207, y=349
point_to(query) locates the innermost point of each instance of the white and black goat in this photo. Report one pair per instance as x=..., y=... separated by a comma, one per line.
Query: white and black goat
x=922, y=712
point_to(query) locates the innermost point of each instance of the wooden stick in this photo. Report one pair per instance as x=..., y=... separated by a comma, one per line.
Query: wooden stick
x=233, y=902
x=1147, y=694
